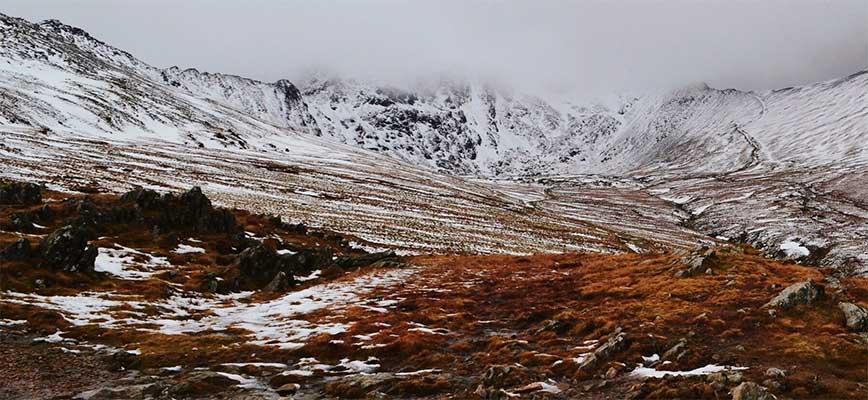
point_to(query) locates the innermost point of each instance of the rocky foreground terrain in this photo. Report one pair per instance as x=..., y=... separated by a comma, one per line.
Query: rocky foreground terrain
x=148, y=295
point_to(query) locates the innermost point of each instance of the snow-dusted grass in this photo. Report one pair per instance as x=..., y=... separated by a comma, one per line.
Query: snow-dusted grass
x=274, y=323
x=120, y=262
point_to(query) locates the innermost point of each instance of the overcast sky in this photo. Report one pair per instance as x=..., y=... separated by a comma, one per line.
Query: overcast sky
x=590, y=46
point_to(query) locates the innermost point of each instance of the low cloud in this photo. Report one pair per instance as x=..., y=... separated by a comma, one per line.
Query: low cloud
x=583, y=46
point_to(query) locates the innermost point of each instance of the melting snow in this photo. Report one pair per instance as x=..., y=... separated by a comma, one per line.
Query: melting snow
x=185, y=249
x=794, y=249
x=119, y=261
x=708, y=369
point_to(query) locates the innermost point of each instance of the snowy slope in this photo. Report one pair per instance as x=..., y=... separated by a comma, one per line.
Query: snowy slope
x=768, y=168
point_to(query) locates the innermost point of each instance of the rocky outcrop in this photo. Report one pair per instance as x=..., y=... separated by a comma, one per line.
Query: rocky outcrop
x=67, y=249
x=802, y=293
x=855, y=317
x=21, y=193
x=191, y=211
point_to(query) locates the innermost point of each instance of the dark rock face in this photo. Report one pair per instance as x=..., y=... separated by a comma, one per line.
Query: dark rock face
x=19, y=250
x=801, y=293
x=67, y=249
x=191, y=211
x=21, y=193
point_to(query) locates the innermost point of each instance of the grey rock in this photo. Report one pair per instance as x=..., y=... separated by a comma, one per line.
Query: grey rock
x=675, y=352
x=802, y=293
x=776, y=373
x=855, y=317
x=751, y=391
x=617, y=342
x=699, y=261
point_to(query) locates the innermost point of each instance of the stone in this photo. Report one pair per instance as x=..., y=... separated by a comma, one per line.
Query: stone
x=20, y=193
x=616, y=342
x=19, y=250
x=699, y=261
x=67, y=249
x=288, y=389
x=803, y=293
x=675, y=352
x=776, y=373
x=356, y=386
x=278, y=284
x=201, y=383
x=751, y=391
x=855, y=317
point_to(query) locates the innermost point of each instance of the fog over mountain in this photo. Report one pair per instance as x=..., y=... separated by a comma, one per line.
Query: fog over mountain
x=589, y=47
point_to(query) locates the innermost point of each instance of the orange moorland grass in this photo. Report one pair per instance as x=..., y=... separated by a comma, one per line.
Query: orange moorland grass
x=537, y=310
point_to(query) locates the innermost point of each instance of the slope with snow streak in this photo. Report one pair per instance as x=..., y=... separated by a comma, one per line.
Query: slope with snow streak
x=84, y=97
x=379, y=200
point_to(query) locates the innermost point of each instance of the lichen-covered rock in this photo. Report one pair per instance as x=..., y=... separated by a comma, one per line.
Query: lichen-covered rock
x=751, y=391
x=801, y=293
x=67, y=249
x=855, y=317
x=21, y=193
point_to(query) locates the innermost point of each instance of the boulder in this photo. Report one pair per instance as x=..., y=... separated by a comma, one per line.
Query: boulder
x=357, y=386
x=200, y=383
x=20, y=193
x=751, y=391
x=279, y=284
x=804, y=293
x=67, y=249
x=699, y=261
x=855, y=317
x=617, y=342
x=17, y=251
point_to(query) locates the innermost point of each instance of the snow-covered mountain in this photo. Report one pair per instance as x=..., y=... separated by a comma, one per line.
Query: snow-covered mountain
x=770, y=169
x=58, y=76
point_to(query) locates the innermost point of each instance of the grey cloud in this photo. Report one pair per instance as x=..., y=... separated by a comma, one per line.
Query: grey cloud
x=587, y=46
